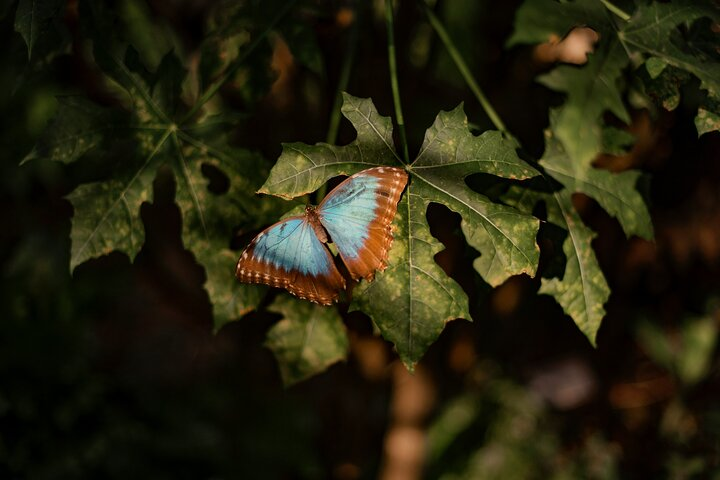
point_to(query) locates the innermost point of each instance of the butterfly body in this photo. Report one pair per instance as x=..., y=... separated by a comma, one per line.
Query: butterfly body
x=356, y=216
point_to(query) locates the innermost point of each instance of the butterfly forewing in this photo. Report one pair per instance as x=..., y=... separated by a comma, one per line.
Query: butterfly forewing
x=289, y=255
x=358, y=215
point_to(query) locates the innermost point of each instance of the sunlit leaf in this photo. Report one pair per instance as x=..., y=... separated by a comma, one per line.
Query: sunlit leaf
x=424, y=298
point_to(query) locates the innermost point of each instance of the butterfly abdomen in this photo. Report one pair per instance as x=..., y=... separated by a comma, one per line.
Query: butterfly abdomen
x=358, y=215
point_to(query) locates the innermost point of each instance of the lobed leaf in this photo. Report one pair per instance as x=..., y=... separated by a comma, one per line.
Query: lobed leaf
x=653, y=31
x=591, y=90
x=615, y=192
x=504, y=236
x=412, y=300
x=423, y=298
x=107, y=212
x=307, y=340
x=582, y=290
x=653, y=34
x=303, y=168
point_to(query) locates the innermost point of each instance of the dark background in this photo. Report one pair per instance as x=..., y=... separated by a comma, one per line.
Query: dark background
x=112, y=370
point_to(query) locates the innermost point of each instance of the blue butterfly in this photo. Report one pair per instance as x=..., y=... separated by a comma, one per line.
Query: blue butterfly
x=356, y=216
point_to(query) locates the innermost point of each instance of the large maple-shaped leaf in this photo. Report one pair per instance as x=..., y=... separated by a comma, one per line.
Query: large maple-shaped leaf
x=411, y=301
x=133, y=143
x=303, y=168
x=307, y=340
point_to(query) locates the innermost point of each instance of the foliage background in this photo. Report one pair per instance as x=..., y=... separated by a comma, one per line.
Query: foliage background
x=113, y=369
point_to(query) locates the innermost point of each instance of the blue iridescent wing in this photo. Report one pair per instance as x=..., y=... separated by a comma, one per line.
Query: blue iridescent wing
x=289, y=255
x=358, y=215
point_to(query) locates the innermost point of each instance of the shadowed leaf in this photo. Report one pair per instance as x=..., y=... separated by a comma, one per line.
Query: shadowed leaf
x=307, y=340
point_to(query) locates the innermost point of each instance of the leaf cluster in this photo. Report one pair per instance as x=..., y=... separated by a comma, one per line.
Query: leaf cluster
x=165, y=112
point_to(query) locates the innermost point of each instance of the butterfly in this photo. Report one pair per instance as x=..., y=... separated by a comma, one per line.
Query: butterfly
x=356, y=216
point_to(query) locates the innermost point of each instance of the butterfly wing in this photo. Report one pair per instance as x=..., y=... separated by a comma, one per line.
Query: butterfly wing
x=358, y=215
x=290, y=255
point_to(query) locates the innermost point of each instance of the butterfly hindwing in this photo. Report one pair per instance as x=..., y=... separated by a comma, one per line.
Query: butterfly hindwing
x=358, y=215
x=290, y=255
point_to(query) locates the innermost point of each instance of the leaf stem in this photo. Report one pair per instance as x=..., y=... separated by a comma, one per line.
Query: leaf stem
x=230, y=71
x=616, y=10
x=392, y=62
x=464, y=70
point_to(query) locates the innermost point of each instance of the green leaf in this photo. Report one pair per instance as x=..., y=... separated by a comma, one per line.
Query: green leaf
x=135, y=141
x=591, y=90
x=667, y=36
x=655, y=66
x=307, y=340
x=687, y=353
x=504, y=237
x=664, y=90
x=209, y=218
x=653, y=31
x=106, y=214
x=33, y=18
x=424, y=297
x=150, y=40
x=412, y=300
x=616, y=141
x=708, y=116
x=78, y=127
x=538, y=21
x=303, y=168
x=615, y=192
x=582, y=290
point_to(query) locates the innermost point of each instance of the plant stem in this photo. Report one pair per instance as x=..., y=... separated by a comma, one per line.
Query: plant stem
x=392, y=62
x=616, y=10
x=343, y=80
x=464, y=70
x=230, y=71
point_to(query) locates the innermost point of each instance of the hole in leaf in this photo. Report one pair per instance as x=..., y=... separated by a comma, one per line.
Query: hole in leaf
x=218, y=182
x=456, y=259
